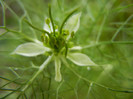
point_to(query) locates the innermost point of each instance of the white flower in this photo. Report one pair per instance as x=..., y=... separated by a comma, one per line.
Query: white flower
x=52, y=44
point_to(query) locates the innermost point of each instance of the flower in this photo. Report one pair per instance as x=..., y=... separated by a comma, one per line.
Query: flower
x=58, y=42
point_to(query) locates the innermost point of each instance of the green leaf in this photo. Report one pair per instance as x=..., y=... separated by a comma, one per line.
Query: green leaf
x=73, y=23
x=80, y=59
x=30, y=49
x=58, y=76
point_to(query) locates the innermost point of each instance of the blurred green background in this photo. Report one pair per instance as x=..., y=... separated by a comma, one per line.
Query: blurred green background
x=106, y=28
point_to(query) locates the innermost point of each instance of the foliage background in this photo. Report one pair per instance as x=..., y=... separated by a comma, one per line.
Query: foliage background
x=106, y=28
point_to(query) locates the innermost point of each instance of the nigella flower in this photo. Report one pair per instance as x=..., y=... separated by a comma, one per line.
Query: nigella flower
x=57, y=42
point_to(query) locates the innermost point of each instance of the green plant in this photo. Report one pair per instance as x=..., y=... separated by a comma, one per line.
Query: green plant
x=57, y=42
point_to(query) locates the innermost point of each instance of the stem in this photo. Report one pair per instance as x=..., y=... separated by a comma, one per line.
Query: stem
x=67, y=65
x=13, y=81
x=101, y=28
x=26, y=15
x=3, y=12
x=57, y=91
x=100, y=85
x=4, y=97
x=41, y=68
x=50, y=15
x=108, y=42
x=10, y=9
x=3, y=33
x=89, y=90
x=37, y=28
x=119, y=29
x=20, y=33
x=49, y=85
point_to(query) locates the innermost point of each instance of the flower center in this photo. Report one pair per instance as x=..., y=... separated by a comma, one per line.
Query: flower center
x=57, y=42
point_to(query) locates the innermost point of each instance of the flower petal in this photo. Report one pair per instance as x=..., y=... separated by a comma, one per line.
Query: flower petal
x=30, y=49
x=73, y=23
x=58, y=76
x=80, y=59
x=76, y=48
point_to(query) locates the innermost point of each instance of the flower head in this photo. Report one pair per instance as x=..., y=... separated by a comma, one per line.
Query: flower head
x=58, y=42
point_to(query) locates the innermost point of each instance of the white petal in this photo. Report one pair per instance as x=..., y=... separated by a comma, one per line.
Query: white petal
x=76, y=48
x=30, y=49
x=73, y=23
x=58, y=76
x=80, y=59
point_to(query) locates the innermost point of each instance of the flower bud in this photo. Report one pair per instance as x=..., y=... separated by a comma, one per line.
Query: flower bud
x=47, y=21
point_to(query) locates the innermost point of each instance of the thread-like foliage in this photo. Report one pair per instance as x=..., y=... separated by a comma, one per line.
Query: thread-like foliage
x=105, y=35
